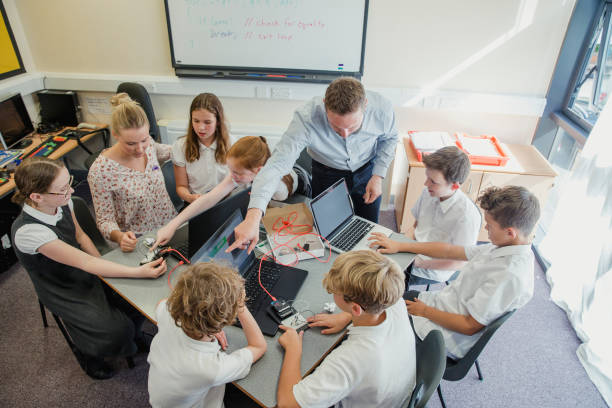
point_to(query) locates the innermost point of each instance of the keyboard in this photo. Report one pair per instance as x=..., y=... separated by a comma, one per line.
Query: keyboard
x=74, y=133
x=352, y=234
x=270, y=274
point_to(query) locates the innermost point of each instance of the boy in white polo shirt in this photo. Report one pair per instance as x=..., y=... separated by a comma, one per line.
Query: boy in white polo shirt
x=497, y=278
x=188, y=367
x=375, y=366
x=443, y=213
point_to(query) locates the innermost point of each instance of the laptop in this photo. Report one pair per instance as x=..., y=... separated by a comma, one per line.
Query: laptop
x=335, y=220
x=204, y=225
x=283, y=282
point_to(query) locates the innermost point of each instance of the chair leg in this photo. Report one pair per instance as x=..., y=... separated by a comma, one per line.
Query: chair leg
x=478, y=369
x=130, y=362
x=43, y=314
x=441, y=397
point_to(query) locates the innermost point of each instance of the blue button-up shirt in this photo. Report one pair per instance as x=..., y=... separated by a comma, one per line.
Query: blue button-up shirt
x=375, y=140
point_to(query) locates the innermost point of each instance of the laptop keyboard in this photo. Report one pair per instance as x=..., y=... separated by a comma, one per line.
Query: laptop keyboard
x=270, y=274
x=352, y=234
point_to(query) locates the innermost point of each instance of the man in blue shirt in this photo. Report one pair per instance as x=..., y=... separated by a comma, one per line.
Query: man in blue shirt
x=349, y=134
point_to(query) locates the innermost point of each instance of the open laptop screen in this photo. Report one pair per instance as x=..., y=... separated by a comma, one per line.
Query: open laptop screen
x=214, y=248
x=331, y=208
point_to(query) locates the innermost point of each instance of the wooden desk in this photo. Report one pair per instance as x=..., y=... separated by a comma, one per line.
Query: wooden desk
x=64, y=149
x=260, y=384
x=526, y=168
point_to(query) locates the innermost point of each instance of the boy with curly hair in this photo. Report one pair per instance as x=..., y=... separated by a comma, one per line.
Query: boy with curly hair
x=188, y=367
x=375, y=366
x=497, y=278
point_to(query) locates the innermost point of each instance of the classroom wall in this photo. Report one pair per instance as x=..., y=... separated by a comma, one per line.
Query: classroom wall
x=475, y=65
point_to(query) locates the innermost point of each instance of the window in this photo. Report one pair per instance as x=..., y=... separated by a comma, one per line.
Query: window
x=593, y=83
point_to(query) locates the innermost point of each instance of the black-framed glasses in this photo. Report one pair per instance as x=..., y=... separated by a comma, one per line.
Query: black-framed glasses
x=65, y=193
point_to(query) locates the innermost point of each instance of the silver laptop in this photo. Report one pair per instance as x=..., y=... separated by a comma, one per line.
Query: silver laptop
x=335, y=220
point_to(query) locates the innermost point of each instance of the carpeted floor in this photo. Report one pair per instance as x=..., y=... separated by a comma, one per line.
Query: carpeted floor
x=530, y=362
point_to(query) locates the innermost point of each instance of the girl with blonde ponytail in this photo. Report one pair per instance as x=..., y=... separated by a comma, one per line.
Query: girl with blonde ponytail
x=126, y=181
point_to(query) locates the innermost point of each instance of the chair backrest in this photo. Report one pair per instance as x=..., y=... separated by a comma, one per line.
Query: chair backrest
x=457, y=369
x=168, y=171
x=430, y=364
x=88, y=224
x=139, y=93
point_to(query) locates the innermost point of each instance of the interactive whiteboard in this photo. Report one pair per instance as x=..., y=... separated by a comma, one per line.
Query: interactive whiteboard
x=268, y=39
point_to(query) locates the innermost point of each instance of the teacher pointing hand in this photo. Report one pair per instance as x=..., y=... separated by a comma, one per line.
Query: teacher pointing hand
x=349, y=134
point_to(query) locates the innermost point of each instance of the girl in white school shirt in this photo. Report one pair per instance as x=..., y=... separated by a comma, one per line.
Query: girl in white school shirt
x=63, y=263
x=244, y=159
x=199, y=156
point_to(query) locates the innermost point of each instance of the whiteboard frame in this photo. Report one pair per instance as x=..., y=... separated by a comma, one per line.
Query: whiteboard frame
x=276, y=74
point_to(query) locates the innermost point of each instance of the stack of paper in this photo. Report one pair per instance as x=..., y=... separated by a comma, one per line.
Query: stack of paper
x=428, y=142
x=478, y=147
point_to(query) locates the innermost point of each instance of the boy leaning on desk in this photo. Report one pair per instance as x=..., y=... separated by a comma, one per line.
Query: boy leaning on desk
x=375, y=366
x=188, y=367
x=497, y=278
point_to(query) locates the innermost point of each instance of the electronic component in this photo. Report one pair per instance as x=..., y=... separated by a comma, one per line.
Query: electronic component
x=297, y=322
x=283, y=309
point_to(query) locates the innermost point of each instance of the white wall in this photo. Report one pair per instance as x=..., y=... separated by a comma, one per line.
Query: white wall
x=478, y=66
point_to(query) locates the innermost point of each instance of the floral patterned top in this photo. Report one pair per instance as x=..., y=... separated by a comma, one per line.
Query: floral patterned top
x=130, y=200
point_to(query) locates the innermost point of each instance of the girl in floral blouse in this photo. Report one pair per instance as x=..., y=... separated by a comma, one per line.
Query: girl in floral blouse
x=126, y=181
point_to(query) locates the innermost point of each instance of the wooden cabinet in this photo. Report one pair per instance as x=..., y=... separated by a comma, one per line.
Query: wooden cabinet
x=526, y=167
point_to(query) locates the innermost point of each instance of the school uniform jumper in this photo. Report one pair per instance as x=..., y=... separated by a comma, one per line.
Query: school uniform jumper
x=77, y=297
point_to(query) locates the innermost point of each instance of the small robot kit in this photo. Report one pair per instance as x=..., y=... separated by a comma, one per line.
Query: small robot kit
x=287, y=316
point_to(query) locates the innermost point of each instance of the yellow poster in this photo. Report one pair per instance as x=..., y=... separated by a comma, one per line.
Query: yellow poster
x=10, y=62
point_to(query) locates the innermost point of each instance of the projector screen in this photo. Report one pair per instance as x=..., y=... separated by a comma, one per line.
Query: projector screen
x=255, y=39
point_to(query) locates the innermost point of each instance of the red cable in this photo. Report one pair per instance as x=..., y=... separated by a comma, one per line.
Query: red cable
x=288, y=226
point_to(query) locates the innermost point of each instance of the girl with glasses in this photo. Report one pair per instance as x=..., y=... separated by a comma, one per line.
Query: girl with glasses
x=63, y=262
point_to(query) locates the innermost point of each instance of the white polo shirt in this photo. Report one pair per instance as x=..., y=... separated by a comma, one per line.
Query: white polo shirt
x=455, y=220
x=30, y=237
x=494, y=281
x=374, y=367
x=203, y=174
x=186, y=372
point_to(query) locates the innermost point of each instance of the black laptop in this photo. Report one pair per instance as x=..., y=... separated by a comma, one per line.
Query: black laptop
x=204, y=225
x=283, y=282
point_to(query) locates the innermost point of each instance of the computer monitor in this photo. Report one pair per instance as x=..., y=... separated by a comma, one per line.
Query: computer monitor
x=203, y=226
x=15, y=123
x=58, y=107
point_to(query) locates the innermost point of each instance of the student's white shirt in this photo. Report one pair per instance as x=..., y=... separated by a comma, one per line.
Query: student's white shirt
x=374, y=367
x=493, y=282
x=30, y=237
x=189, y=373
x=455, y=220
x=282, y=193
x=203, y=174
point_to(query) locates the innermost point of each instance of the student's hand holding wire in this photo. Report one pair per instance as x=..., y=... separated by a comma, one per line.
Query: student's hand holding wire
x=128, y=241
x=334, y=322
x=416, y=307
x=290, y=339
x=164, y=234
x=152, y=269
x=222, y=339
x=384, y=244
